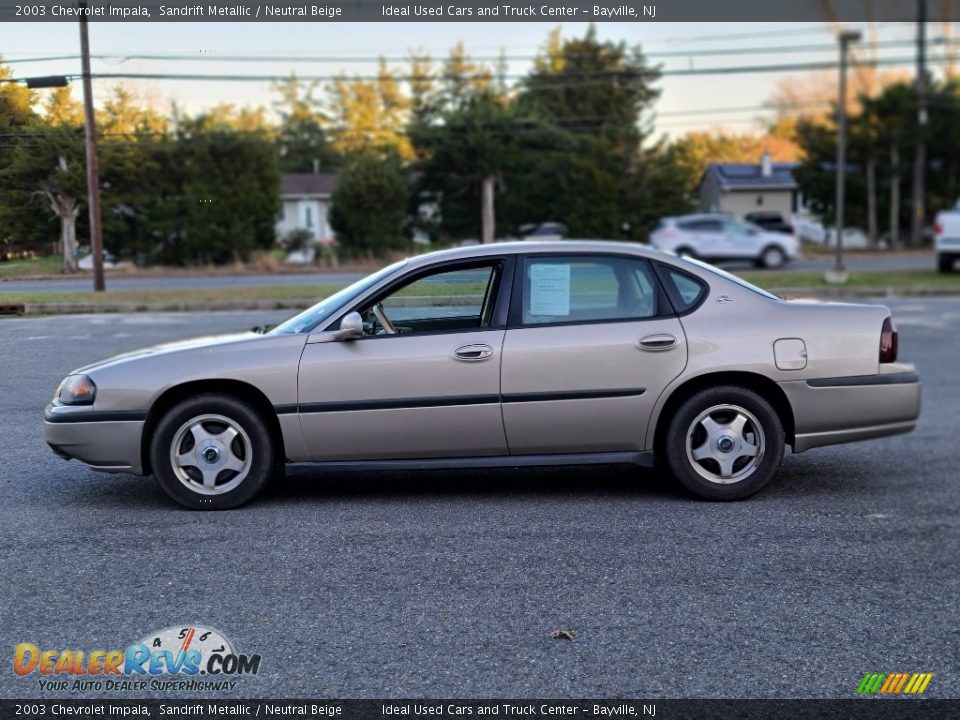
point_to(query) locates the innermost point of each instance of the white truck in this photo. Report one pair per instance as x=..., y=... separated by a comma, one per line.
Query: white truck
x=946, y=238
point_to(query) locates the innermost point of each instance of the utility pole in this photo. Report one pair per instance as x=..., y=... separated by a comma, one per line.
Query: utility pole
x=487, y=217
x=93, y=175
x=920, y=159
x=850, y=36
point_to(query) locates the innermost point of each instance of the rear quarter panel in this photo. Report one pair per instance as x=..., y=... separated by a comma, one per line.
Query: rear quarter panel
x=738, y=336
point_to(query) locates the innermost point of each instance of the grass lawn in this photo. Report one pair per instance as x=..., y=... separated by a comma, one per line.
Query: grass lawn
x=902, y=281
x=49, y=265
x=897, y=279
x=305, y=293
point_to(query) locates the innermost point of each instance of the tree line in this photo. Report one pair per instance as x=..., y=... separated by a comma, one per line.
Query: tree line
x=572, y=141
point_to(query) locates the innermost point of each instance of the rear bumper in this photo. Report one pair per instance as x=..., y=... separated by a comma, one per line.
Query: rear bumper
x=828, y=411
x=947, y=245
x=105, y=445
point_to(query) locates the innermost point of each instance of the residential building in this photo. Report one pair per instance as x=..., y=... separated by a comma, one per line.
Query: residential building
x=741, y=188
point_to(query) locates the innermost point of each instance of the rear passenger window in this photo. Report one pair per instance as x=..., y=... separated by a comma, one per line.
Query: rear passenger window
x=685, y=291
x=587, y=289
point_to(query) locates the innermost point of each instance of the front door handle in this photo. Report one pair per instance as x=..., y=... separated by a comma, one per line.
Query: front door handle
x=654, y=343
x=473, y=353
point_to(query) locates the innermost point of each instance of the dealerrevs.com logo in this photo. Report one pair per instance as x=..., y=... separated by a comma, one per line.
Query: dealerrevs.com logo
x=172, y=659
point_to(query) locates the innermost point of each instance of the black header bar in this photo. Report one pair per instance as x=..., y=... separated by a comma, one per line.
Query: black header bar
x=324, y=11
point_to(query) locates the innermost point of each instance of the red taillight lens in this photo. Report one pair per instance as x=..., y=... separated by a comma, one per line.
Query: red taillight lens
x=937, y=229
x=888, y=342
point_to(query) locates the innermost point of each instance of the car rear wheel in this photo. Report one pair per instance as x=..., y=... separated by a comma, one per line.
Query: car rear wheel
x=212, y=452
x=773, y=258
x=945, y=263
x=724, y=443
x=686, y=252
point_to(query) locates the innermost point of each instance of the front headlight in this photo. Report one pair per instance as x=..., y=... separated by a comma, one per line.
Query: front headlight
x=77, y=390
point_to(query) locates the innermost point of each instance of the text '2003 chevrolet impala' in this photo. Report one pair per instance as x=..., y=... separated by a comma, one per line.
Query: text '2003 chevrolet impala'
x=502, y=355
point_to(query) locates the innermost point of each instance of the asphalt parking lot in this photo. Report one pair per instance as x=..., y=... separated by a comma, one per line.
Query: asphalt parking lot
x=448, y=584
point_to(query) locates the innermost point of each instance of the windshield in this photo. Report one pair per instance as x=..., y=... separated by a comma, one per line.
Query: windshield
x=313, y=316
x=732, y=278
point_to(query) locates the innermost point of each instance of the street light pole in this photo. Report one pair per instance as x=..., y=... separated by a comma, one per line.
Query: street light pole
x=93, y=175
x=920, y=158
x=845, y=39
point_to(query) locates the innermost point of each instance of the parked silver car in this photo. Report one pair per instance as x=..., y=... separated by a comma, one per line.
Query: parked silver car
x=500, y=355
x=717, y=238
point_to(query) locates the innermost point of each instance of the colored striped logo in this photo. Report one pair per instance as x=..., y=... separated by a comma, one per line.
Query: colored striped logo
x=894, y=683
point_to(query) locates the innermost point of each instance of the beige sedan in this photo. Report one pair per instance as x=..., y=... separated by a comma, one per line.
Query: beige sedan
x=529, y=353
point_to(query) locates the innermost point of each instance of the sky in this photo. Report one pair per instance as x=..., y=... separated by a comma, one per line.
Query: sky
x=686, y=103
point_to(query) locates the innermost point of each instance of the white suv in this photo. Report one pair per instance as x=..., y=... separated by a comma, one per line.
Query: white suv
x=716, y=238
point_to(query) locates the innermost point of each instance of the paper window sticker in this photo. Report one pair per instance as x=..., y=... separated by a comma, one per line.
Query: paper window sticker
x=550, y=289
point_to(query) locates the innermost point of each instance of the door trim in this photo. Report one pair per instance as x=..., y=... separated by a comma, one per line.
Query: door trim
x=452, y=400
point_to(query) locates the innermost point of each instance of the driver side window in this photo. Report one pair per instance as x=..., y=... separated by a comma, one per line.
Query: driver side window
x=449, y=300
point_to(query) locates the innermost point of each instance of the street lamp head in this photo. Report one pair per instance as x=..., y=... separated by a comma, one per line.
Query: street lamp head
x=850, y=36
x=49, y=81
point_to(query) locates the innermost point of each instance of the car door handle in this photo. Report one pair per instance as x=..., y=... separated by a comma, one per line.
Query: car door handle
x=654, y=343
x=473, y=353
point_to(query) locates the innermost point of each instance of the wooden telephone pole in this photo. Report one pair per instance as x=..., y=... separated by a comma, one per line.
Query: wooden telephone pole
x=93, y=174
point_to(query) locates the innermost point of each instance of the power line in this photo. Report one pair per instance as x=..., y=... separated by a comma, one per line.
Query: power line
x=566, y=82
x=566, y=122
x=323, y=59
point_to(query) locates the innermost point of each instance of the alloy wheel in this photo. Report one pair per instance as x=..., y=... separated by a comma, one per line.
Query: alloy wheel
x=725, y=444
x=211, y=454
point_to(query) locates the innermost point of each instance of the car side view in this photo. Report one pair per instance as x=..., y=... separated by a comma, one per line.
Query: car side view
x=511, y=354
x=716, y=237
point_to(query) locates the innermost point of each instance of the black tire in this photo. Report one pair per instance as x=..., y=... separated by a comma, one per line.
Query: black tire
x=772, y=258
x=686, y=252
x=252, y=446
x=945, y=263
x=756, y=470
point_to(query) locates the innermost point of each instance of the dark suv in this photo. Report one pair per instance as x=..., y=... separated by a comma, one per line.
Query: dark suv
x=770, y=220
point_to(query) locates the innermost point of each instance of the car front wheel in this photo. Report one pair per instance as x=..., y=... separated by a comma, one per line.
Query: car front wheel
x=212, y=452
x=724, y=443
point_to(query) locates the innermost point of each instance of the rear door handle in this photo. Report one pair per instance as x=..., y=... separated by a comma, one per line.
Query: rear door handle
x=654, y=343
x=473, y=353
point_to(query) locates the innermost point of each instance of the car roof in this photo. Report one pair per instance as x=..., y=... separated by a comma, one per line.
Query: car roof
x=517, y=247
x=699, y=216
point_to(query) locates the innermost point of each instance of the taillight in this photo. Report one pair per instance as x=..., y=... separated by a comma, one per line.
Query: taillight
x=937, y=229
x=888, y=342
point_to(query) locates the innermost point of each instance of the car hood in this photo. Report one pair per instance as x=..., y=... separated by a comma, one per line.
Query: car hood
x=171, y=347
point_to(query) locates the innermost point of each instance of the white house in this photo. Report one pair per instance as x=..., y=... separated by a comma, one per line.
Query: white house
x=305, y=199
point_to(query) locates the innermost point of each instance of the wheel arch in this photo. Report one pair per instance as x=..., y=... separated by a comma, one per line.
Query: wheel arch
x=760, y=384
x=233, y=388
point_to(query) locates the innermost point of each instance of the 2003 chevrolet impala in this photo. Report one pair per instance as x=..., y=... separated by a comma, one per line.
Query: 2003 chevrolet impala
x=510, y=354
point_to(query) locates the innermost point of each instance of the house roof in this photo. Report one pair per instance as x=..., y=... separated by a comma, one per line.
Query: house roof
x=749, y=176
x=307, y=184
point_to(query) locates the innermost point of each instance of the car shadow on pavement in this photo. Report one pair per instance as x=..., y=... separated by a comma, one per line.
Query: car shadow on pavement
x=799, y=479
x=306, y=483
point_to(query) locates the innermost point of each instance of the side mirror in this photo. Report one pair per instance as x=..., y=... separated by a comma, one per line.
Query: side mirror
x=351, y=327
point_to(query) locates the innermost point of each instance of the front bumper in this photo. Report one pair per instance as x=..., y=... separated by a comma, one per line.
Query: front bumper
x=109, y=442
x=828, y=411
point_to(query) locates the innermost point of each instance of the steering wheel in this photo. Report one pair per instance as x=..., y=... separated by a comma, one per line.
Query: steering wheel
x=384, y=321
